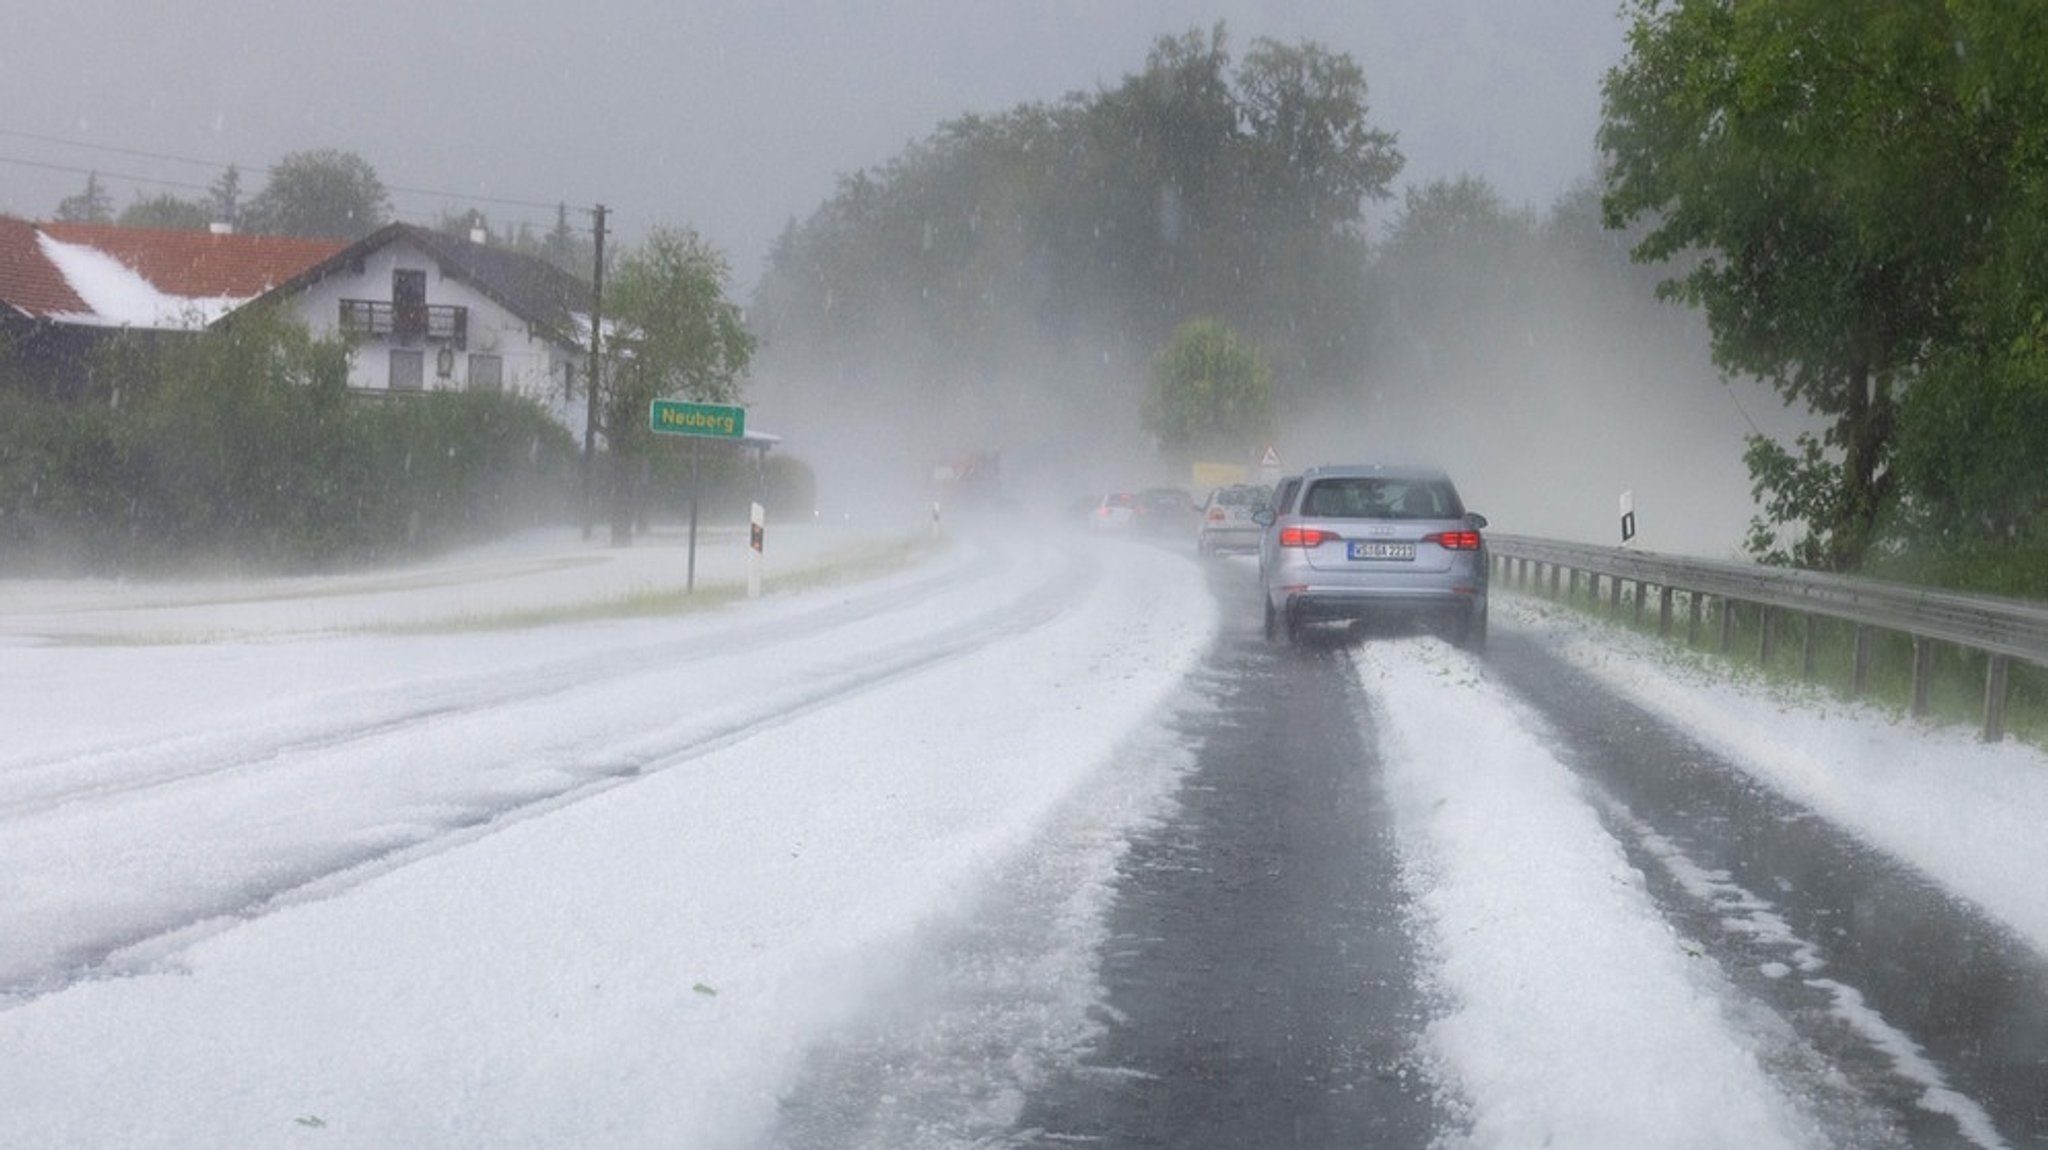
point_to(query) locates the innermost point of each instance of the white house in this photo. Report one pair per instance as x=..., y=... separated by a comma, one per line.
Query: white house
x=424, y=310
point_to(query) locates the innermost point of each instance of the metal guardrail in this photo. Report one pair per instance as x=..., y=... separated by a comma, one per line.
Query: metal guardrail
x=2004, y=629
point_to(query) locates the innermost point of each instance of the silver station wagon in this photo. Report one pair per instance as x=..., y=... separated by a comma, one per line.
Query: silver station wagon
x=1368, y=542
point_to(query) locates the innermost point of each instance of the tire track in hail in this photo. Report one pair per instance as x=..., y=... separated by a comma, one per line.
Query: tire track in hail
x=217, y=753
x=132, y=952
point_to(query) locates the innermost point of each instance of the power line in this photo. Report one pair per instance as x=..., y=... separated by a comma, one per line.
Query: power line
x=61, y=142
x=222, y=166
x=101, y=172
x=418, y=215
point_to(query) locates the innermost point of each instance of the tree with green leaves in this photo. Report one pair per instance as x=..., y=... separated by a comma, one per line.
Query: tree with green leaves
x=1211, y=394
x=224, y=198
x=168, y=212
x=674, y=334
x=93, y=205
x=1312, y=154
x=323, y=193
x=1973, y=432
x=1059, y=243
x=566, y=248
x=1813, y=161
x=1454, y=262
x=1311, y=162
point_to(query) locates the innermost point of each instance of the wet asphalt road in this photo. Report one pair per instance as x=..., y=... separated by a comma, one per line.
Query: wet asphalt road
x=1959, y=985
x=1261, y=985
x=1262, y=988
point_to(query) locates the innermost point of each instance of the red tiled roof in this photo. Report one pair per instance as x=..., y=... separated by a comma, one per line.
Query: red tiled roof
x=29, y=283
x=201, y=265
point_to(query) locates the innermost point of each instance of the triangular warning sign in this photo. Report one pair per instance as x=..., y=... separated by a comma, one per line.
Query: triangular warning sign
x=1271, y=459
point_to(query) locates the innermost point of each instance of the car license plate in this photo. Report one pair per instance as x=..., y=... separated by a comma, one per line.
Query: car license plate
x=1367, y=550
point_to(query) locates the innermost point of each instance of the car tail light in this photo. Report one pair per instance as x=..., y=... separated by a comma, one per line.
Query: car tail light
x=1216, y=515
x=1304, y=537
x=1454, y=540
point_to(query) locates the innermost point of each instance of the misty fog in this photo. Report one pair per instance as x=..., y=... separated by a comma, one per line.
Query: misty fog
x=1548, y=391
x=705, y=107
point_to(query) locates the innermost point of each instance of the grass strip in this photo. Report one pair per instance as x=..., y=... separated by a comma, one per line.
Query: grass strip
x=1957, y=688
x=848, y=565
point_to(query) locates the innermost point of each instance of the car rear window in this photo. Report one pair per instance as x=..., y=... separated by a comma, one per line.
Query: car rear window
x=1374, y=497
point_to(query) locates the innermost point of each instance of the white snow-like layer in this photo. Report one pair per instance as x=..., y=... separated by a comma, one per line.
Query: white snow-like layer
x=1969, y=815
x=120, y=297
x=1573, y=1015
x=844, y=768
x=641, y=967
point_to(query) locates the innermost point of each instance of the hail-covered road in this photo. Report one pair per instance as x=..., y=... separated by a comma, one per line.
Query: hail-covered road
x=1030, y=841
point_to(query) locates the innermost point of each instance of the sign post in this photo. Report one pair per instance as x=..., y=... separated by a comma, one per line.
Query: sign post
x=757, y=530
x=1628, y=516
x=699, y=421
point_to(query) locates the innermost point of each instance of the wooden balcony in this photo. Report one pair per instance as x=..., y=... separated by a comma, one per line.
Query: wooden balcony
x=429, y=323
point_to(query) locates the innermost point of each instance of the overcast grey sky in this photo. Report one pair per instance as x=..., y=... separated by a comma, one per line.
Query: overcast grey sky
x=730, y=117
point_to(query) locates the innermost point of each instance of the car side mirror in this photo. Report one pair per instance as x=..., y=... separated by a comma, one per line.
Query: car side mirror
x=1263, y=517
x=1477, y=520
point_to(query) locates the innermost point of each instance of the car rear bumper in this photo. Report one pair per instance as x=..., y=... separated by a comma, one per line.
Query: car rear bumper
x=1357, y=603
x=1231, y=538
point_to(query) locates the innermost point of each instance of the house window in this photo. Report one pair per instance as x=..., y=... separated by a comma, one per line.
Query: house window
x=409, y=304
x=486, y=372
x=408, y=369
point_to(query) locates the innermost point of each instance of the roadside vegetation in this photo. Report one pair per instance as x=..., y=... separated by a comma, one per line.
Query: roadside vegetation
x=1825, y=662
x=242, y=449
x=1857, y=193
x=851, y=564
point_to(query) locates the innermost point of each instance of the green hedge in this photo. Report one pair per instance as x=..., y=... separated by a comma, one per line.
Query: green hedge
x=244, y=447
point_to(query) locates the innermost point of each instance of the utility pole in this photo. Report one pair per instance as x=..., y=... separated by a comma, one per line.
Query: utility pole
x=596, y=374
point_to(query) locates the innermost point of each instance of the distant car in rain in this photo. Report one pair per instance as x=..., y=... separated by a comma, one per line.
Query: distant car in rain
x=1163, y=511
x=1225, y=520
x=1363, y=542
x=1112, y=511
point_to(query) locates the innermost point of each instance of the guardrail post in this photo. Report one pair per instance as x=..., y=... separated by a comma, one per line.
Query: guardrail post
x=1859, y=670
x=1571, y=585
x=1642, y=591
x=1995, y=675
x=1727, y=624
x=1767, y=634
x=1692, y=622
x=1614, y=594
x=1664, y=611
x=1923, y=675
x=1553, y=580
